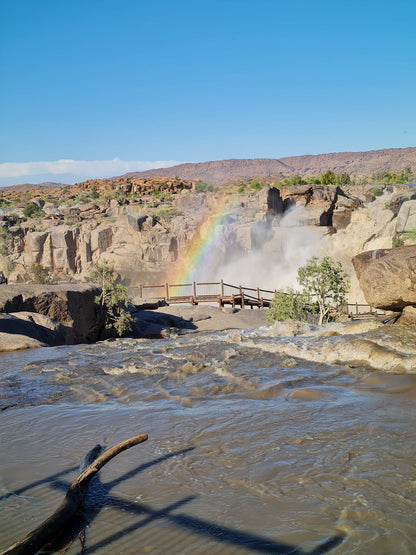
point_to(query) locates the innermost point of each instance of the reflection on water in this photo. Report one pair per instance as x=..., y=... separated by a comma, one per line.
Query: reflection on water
x=257, y=442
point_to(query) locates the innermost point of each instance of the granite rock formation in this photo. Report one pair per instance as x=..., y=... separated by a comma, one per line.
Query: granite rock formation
x=388, y=277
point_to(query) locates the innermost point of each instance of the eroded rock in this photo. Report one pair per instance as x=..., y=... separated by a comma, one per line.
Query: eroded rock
x=388, y=277
x=73, y=305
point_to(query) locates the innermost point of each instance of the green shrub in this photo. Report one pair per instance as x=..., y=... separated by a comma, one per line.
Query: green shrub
x=113, y=300
x=294, y=180
x=377, y=192
x=121, y=197
x=163, y=196
x=204, y=187
x=165, y=213
x=94, y=193
x=256, y=185
x=289, y=306
x=108, y=195
x=32, y=210
x=40, y=274
x=397, y=242
x=82, y=198
x=328, y=178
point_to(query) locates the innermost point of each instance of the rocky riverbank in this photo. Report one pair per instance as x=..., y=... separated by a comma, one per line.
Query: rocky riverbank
x=47, y=315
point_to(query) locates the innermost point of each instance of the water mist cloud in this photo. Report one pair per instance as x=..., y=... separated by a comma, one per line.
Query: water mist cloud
x=274, y=265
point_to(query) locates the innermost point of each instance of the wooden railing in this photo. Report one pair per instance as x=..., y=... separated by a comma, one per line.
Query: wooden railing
x=359, y=309
x=215, y=291
x=226, y=293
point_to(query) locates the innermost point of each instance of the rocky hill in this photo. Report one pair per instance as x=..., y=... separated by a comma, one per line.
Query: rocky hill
x=31, y=187
x=354, y=163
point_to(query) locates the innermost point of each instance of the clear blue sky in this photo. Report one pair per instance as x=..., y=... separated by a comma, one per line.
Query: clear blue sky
x=203, y=80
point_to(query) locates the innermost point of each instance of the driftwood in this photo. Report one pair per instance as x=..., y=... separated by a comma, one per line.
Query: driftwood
x=53, y=525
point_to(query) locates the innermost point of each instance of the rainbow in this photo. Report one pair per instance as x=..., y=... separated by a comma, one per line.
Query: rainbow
x=201, y=249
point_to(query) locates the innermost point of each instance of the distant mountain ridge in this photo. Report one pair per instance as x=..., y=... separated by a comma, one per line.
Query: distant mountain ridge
x=31, y=187
x=354, y=163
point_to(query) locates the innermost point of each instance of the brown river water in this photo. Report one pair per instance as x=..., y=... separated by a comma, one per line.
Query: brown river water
x=258, y=442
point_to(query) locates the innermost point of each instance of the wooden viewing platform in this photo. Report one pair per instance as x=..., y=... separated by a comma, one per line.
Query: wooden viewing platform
x=208, y=292
x=234, y=295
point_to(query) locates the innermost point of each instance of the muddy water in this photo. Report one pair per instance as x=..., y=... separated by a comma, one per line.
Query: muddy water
x=258, y=442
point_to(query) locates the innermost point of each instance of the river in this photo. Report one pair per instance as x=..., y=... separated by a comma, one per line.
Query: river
x=258, y=442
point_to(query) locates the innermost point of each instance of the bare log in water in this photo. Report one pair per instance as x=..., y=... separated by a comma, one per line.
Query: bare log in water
x=53, y=525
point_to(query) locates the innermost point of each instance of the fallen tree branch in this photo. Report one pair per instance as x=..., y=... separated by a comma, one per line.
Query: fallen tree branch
x=53, y=525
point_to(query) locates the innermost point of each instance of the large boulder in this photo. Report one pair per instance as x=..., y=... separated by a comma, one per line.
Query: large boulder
x=406, y=218
x=388, y=277
x=31, y=326
x=73, y=305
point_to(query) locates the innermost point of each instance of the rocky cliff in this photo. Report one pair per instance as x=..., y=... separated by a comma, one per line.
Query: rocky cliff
x=144, y=227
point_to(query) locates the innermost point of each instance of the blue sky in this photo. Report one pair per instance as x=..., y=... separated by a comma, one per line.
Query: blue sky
x=107, y=87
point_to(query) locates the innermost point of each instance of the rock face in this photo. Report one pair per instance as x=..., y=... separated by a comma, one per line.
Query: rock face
x=71, y=304
x=388, y=277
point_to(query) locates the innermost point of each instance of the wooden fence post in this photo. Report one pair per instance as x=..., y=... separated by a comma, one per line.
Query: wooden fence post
x=194, y=288
x=167, y=290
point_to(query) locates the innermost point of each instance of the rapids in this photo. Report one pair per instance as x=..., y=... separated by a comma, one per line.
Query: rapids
x=286, y=439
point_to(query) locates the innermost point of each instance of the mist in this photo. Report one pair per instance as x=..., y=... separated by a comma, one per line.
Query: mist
x=271, y=255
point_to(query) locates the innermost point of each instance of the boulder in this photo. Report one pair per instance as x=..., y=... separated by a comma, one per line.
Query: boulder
x=39, y=327
x=406, y=218
x=408, y=316
x=388, y=277
x=137, y=221
x=17, y=342
x=73, y=305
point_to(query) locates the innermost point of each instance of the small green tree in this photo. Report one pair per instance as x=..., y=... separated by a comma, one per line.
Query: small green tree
x=289, y=306
x=120, y=196
x=328, y=178
x=326, y=282
x=113, y=299
x=295, y=180
x=32, y=210
x=342, y=179
x=313, y=180
x=407, y=174
x=94, y=194
x=256, y=185
x=204, y=187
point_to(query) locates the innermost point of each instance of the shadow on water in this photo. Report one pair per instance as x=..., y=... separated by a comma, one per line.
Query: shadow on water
x=98, y=497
